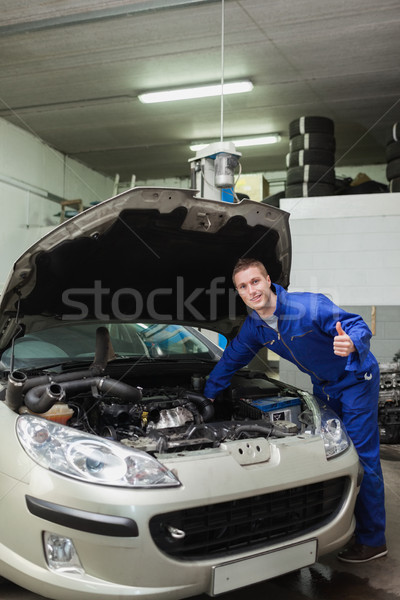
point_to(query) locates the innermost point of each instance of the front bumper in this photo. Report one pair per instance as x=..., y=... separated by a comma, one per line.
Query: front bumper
x=118, y=565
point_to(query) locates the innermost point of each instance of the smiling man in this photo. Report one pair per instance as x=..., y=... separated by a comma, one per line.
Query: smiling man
x=254, y=287
x=332, y=346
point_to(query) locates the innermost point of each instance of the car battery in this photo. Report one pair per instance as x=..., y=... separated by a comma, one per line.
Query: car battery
x=273, y=408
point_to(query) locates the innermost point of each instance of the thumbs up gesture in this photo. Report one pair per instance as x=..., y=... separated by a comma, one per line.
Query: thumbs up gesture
x=342, y=344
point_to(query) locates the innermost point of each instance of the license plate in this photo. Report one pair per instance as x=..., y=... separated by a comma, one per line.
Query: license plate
x=239, y=573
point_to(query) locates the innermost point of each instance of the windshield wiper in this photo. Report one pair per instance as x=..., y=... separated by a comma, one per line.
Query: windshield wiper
x=67, y=363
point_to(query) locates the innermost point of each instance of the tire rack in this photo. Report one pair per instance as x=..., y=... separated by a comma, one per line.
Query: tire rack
x=393, y=158
x=311, y=158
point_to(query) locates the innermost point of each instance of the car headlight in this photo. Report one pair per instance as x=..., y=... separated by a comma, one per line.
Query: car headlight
x=333, y=433
x=89, y=458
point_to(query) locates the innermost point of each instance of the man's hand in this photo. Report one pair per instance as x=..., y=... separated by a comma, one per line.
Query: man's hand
x=342, y=344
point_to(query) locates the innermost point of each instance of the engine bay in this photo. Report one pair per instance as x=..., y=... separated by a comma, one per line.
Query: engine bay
x=156, y=405
x=169, y=419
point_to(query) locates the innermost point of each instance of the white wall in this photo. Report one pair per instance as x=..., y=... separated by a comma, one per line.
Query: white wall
x=34, y=178
x=347, y=247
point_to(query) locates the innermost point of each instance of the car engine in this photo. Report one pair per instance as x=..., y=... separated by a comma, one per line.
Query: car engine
x=162, y=420
x=158, y=407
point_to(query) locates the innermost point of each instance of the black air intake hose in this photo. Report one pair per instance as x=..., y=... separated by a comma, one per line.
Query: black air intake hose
x=60, y=378
x=39, y=400
x=204, y=405
x=104, y=349
x=15, y=389
x=18, y=384
x=267, y=429
x=52, y=393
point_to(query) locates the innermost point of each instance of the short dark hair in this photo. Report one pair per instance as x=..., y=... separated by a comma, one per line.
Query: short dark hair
x=246, y=263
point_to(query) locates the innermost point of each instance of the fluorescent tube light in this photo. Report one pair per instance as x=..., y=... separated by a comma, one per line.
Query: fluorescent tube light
x=271, y=138
x=237, y=87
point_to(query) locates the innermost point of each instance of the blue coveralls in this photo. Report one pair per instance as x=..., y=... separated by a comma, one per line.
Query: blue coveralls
x=350, y=385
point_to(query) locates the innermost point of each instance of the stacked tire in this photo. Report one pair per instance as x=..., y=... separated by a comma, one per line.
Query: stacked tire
x=311, y=159
x=393, y=158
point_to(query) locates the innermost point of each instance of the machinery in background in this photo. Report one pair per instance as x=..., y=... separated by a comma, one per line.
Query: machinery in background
x=213, y=171
x=389, y=403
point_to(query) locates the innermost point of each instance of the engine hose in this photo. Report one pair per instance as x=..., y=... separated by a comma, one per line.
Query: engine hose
x=204, y=405
x=60, y=378
x=53, y=393
x=38, y=399
x=18, y=384
x=195, y=412
x=15, y=389
x=104, y=349
x=268, y=429
x=120, y=389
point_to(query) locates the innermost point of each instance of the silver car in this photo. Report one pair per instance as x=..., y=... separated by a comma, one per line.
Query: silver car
x=118, y=478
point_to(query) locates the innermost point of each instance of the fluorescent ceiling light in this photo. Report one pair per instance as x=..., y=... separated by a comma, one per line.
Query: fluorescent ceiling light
x=237, y=87
x=271, y=138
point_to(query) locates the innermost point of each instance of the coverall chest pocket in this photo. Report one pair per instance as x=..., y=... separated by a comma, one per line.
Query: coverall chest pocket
x=301, y=334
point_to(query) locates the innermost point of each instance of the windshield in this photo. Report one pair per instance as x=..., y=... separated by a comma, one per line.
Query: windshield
x=77, y=342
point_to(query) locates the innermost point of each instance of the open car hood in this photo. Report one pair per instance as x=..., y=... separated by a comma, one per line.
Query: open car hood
x=149, y=254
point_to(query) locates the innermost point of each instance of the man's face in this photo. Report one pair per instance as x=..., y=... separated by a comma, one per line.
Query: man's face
x=254, y=288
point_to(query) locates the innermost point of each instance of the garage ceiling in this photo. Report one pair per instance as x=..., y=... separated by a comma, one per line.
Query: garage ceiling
x=71, y=72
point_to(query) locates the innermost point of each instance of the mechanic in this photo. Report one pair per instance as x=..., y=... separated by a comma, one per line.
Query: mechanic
x=332, y=346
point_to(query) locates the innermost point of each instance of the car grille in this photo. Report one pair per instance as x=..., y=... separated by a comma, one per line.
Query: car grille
x=247, y=523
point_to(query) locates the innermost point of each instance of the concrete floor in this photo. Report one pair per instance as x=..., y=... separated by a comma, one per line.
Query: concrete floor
x=328, y=579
